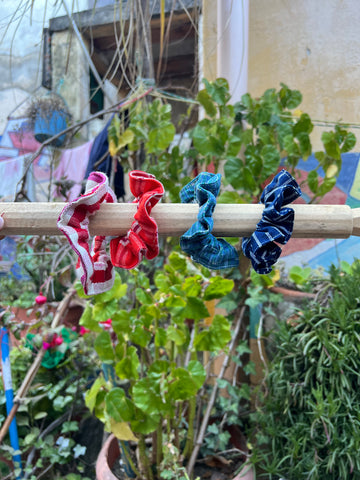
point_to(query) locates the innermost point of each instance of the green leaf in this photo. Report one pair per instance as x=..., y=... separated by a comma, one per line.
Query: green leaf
x=234, y=145
x=160, y=138
x=218, y=287
x=205, y=100
x=195, y=309
x=349, y=142
x=201, y=140
x=140, y=336
x=303, y=125
x=121, y=322
x=218, y=90
x=192, y=286
x=88, y=321
x=102, y=311
x=197, y=372
x=230, y=196
x=127, y=368
x=118, y=406
x=103, y=347
x=144, y=297
x=117, y=291
x=183, y=387
x=175, y=335
x=146, y=396
x=313, y=181
x=327, y=185
x=216, y=337
x=160, y=337
x=233, y=172
x=271, y=158
x=304, y=144
x=91, y=395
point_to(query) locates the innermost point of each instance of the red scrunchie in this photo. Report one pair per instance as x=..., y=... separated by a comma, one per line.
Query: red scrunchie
x=142, y=238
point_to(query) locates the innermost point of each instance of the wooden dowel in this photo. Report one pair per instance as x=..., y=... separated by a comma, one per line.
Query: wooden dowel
x=173, y=219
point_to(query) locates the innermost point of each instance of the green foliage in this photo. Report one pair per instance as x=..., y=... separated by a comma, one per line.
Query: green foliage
x=308, y=423
x=49, y=417
x=152, y=351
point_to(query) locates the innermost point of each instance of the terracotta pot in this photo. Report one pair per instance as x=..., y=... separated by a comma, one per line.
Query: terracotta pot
x=110, y=452
x=108, y=455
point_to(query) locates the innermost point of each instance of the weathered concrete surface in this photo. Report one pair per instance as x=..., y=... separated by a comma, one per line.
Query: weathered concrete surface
x=312, y=46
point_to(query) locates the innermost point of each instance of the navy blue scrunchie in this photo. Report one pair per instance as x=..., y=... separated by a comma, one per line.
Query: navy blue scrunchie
x=198, y=242
x=276, y=224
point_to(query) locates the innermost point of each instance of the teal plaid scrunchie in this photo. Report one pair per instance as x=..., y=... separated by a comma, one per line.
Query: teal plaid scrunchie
x=198, y=241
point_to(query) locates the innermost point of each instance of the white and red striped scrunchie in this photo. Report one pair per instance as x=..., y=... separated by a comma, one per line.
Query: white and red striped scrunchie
x=95, y=268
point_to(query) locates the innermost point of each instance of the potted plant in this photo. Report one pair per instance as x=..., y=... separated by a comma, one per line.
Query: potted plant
x=307, y=417
x=48, y=116
x=151, y=337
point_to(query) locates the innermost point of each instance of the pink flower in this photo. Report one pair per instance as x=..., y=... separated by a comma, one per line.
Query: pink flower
x=83, y=330
x=106, y=324
x=55, y=341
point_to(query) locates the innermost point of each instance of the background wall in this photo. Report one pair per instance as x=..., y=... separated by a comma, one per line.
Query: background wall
x=312, y=46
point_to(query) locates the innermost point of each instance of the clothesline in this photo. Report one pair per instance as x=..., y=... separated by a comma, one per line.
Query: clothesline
x=173, y=219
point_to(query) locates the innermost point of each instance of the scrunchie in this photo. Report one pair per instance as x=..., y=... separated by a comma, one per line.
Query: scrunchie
x=276, y=224
x=142, y=238
x=95, y=268
x=198, y=242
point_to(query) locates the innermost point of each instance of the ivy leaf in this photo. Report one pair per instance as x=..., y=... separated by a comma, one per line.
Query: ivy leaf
x=218, y=90
x=218, y=287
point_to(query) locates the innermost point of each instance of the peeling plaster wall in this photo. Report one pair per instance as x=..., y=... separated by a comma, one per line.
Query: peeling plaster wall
x=312, y=46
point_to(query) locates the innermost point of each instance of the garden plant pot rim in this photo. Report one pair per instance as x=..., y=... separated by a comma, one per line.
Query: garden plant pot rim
x=110, y=452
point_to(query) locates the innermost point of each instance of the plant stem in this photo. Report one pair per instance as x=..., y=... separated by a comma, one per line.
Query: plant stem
x=190, y=432
x=206, y=418
x=144, y=459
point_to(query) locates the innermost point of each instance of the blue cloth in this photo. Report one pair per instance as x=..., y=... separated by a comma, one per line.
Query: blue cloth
x=276, y=224
x=100, y=150
x=198, y=242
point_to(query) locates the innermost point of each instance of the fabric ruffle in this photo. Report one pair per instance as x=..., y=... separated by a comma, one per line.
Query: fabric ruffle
x=198, y=241
x=142, y=238
x=276, y=225
x=94, y=268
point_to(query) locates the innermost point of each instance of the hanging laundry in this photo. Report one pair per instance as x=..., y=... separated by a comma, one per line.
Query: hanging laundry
x=72, y=166
x=101, y=161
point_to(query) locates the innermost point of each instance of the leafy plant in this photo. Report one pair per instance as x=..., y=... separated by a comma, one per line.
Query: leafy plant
x=153, y=344
x=307, y=421
x=49, y=417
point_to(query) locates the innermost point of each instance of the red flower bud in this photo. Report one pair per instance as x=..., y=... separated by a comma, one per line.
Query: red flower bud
x=40, y=299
